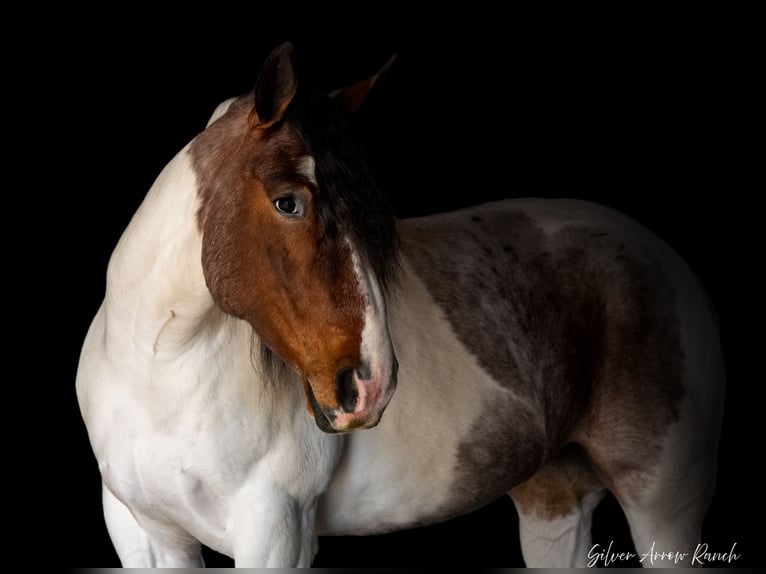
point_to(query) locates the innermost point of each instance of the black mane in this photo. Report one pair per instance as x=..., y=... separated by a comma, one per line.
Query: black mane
x=350, y=200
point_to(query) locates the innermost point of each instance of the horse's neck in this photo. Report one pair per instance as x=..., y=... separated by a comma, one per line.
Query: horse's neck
x=156, y=296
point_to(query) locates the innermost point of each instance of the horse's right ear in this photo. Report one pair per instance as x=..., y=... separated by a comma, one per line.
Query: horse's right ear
x=352, y=97
x=275, y=88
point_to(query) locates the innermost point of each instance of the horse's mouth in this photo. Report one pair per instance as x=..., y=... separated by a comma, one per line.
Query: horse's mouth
x=351, y=423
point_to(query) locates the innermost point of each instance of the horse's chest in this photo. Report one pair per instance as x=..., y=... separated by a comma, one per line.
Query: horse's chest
x=171, y=469
x=185, y=463
x=177, y=460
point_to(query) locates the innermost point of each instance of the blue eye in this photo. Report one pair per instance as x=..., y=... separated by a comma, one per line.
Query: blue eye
x=289, y=205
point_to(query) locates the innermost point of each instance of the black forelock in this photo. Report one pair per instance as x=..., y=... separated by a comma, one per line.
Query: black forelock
x=350, y=200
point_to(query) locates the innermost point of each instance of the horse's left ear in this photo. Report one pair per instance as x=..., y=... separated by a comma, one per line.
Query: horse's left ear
x=276, y=87
x=351, y=97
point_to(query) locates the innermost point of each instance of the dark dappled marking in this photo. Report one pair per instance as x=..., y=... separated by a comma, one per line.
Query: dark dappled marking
x=570, y=323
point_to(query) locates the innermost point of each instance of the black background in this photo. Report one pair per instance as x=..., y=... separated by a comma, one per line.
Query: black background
x=651, y=114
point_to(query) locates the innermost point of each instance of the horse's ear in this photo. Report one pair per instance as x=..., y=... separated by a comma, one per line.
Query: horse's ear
x=352, y=97
x=276, y=86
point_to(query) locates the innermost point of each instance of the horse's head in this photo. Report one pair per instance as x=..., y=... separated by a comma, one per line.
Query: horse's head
x=298, y=240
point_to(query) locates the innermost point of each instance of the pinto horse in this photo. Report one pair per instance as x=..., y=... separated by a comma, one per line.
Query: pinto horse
x=548, y=349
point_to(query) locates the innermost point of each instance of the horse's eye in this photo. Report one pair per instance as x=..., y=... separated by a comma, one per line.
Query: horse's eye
x=289, y=205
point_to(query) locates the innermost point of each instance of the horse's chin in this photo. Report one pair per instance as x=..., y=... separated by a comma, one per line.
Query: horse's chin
x=345, y=423
x=322, y=421
x=355, y=425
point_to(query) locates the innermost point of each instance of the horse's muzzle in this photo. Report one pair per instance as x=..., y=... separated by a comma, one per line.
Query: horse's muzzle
x=362, y=393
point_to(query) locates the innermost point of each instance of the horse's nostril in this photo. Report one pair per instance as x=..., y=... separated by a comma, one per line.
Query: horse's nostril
x=363, y=373
x=345, y=387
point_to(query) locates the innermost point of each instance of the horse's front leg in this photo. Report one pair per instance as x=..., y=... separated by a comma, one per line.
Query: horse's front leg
x=271, y=528
x=163, y=547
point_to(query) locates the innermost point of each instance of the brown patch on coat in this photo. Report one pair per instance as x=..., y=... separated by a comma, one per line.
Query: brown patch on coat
x=559, y=487
x=504, y=447
x=292, y=281
x=581, y=324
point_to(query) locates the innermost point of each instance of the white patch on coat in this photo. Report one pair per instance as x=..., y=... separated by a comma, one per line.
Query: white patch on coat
x=560, y=542
x=307, y=168
x=185, y=431
x=221, y=109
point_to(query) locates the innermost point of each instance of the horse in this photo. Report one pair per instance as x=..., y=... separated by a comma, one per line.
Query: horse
x=264, y=307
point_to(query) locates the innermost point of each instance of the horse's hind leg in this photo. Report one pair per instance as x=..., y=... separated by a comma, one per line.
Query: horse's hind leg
x=136, y=549
x=555, y=508
x=665, y=511
x=666, y=506
x=665, y=482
